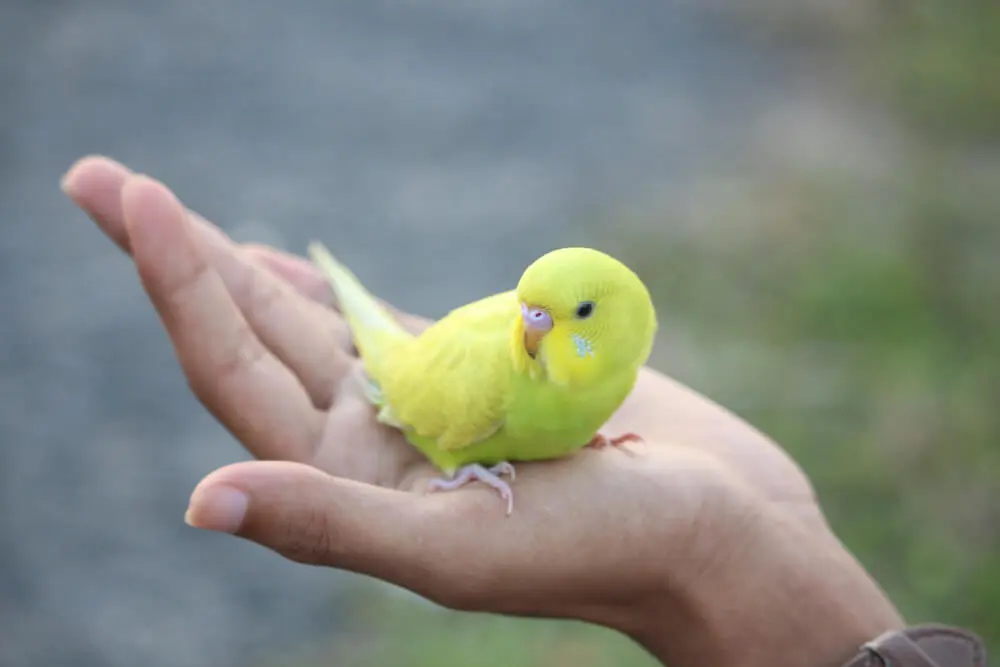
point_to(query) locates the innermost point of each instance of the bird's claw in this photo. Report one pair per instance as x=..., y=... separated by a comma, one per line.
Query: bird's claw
x=504, y=468
x=475, y=472
x=600, y=441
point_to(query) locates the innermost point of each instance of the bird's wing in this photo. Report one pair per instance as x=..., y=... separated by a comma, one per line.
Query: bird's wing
x=451, y=383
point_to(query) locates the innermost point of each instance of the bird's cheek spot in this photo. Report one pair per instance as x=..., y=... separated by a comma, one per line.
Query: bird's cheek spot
x=583, y=347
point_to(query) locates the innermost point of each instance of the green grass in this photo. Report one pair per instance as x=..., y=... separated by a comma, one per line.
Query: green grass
x=391, y=630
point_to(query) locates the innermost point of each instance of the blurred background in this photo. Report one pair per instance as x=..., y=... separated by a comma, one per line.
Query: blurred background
x=812, y=189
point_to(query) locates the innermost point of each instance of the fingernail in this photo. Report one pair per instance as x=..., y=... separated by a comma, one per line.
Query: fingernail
x=218, y=508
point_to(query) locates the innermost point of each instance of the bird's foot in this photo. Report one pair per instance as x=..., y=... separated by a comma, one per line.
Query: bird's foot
x=475, y=472
x=600, y=441
x=504, y=468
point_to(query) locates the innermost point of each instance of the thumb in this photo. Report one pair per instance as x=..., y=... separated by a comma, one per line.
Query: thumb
x=311, y=517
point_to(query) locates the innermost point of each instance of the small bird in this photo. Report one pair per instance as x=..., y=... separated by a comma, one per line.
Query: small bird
x=528, y=374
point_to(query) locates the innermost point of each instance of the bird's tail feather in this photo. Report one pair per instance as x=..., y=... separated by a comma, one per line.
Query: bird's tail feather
x=374, y=329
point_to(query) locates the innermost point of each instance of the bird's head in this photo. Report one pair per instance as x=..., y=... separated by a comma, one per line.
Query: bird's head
x=583, y=314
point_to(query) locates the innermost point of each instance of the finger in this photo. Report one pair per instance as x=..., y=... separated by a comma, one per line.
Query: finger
x=307, y=338
x=310, y=517
x=457, y=548
x=296, y=271
x=230, y=371
x=306, y=278
x=313, y=341
x=95, y=183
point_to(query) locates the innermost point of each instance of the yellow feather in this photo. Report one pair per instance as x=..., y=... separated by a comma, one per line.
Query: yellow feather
x=467, y=391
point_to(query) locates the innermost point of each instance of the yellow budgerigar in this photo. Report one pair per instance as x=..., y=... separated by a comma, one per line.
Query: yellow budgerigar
x=528, y=374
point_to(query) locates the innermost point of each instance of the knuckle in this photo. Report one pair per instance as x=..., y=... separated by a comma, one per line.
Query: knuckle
x=182, y=291
x=244, y=352
x=265, y=293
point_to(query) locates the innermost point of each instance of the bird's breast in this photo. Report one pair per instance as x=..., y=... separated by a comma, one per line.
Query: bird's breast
x=544, y=409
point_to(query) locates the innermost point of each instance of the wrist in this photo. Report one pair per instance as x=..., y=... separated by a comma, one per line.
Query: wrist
x=784, y=592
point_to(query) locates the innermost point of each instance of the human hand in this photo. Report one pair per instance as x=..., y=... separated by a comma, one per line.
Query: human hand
x=706, y=545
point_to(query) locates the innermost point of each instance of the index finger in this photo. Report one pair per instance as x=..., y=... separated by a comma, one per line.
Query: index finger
x=230, y=371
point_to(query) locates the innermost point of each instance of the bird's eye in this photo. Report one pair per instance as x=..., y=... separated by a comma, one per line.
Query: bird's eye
x=585, y=309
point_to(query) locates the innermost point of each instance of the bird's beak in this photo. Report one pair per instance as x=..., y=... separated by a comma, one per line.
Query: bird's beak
x=537, y=323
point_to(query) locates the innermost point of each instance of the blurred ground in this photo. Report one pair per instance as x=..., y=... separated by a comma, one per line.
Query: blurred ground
x=811, y=189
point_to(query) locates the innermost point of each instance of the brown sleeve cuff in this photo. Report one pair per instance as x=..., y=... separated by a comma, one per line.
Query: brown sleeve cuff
x=929, y=645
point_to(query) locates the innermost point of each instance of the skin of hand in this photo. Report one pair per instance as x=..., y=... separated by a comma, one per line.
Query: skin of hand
x=706, y=545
